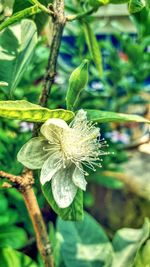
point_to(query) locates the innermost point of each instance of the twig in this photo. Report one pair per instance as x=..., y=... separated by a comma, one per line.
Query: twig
x=81, y=15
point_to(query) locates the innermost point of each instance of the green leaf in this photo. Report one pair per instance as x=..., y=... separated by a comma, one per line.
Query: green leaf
x=77, y=82
x=26, y=111
x=12, y=236
x=93, y=47
x=107, y=116
x=73, y=213
x=17, y=44
x=30, y=11
x=11, y=258
x=142, y=21
x=127, y=243
x=135, y=6
x=84, y=244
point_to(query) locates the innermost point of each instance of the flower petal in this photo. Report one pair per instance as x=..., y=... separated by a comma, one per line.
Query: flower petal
x=32, y=155
x=63, y=189
x=53, y=128
x=78, y=178
x=49, y=168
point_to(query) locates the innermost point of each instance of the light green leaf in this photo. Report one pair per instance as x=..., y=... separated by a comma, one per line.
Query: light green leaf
x=84, y=244
x=12, y=236
x=77, y=82
x=16, y=49
x=73, y=213
x=20, y=15
x=127, y=243
x=135, y=6
x=26, y=111
x=93, y=47
x=11, y=258
x=107, y=116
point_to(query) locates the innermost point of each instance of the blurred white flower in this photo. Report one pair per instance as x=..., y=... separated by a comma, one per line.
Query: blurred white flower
x=60, y=152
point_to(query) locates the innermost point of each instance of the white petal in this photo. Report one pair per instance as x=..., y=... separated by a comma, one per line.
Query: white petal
x=49, y=168
x=32, y=155
x=52, y=129
x=63, y=189
x=78, y=178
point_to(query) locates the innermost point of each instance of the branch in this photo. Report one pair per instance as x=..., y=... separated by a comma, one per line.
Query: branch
x=42, y=239
x=24, y=184
x=58, y=21
x=81, y=15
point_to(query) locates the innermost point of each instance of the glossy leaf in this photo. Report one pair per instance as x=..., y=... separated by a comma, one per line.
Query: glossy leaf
x=77, y=82
x=127, y=243
x=17, y=44
x=10, y=258
x=26, y=111
x=93, y=47
x=107, y=116
x=73, y=213
x=84, y=244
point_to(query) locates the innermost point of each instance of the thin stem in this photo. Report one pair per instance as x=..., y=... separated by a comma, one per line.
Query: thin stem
x=81, y=15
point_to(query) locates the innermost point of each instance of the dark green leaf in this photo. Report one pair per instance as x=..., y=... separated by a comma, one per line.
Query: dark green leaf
x=74, y=212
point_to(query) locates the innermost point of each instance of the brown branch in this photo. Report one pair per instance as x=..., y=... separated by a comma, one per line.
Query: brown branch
x=42, y=239
x=24, y=184
x=58, y=21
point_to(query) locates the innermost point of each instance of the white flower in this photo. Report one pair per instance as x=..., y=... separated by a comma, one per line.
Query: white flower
x=60, y=152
